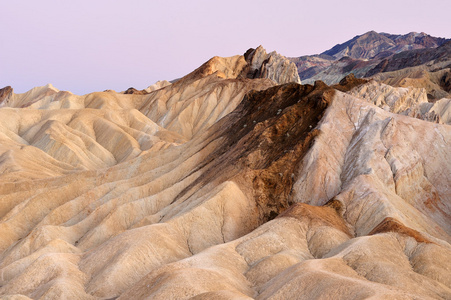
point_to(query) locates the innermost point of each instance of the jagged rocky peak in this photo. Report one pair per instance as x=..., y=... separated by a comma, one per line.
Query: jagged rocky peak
x=5, y=93
x=132, y=90
x=362, y=46
x=270, y=65
x=10, y=99
x=255, y=63
x=415, y=40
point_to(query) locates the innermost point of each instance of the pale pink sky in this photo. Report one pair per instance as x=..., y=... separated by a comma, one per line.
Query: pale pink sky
x=85, y=46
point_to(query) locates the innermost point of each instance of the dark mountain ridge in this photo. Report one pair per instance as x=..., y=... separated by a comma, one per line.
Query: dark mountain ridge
x=375, y=53
x=370, y=44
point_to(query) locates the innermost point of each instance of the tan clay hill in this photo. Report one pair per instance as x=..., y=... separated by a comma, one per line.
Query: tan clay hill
x=234, y=182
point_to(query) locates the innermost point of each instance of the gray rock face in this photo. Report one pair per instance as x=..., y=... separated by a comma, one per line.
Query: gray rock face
x=270, y=65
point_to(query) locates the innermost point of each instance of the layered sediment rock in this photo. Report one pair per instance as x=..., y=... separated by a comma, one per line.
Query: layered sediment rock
x=226, y=184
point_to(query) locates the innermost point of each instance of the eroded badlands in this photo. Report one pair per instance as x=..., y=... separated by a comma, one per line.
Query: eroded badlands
x=234, y=182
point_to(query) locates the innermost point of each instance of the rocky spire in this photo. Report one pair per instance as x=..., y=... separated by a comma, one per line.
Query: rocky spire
x=270, y=65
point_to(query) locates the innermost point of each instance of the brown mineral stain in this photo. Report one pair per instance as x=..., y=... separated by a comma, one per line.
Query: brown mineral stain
x=268, y=134
x=392, y=225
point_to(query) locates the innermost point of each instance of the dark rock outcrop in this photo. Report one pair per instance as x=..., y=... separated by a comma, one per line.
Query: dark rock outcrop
x=349, y=82
x=413, y=58
x=134, y=91
x=445, y=82
x=268, y=134
x=5, y=93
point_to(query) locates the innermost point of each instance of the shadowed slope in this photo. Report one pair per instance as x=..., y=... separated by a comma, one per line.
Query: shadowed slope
x=263, y=141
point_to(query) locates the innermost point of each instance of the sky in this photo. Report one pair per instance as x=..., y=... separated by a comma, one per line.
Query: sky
x=92, y=45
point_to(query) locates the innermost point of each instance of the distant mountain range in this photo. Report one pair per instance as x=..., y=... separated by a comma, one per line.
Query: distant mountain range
x=373, y=45
x=372, y=53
